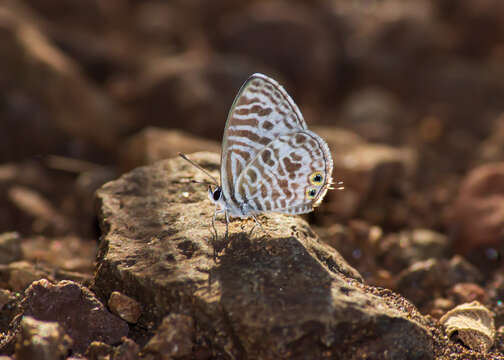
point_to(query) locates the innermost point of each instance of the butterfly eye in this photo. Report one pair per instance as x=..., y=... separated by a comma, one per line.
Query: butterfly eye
x=316, y=178
x=217, y=194
x=310, y=193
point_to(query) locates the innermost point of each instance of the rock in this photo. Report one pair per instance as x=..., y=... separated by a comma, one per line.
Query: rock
x=46, y=186
x=174, y=338
x=99, y=351
x=499, y=339
x=128, y=350
x=263, y=297
x=467, y=292
x=11, y=314
x=476, y=217
x=70, y=253
x=397, y=251
x=41, y=340
x=63, y=258
x=20, y=274
x=72, y=305
x=471, y=323
x=10, y=247
x=81, y=278
x=125, y=307
x=369, y=172
x=5, y=297
x=39, y=208
x=431, y=278
x=154, y=144
x=440, y=306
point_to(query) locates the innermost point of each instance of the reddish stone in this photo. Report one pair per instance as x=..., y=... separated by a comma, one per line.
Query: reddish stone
x=477, y=215
x=467, y=292
x=77, y=310
x=125, y=307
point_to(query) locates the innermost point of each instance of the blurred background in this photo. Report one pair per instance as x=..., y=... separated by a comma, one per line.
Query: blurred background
x=408, y=93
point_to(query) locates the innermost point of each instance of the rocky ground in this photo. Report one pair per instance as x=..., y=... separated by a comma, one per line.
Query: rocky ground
x=106, y=249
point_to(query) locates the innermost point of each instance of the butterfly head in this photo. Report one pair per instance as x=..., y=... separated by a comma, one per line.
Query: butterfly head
x=215, y=195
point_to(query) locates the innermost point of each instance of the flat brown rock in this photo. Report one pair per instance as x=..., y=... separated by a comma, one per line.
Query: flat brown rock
x=76, y=309
x=283, y=295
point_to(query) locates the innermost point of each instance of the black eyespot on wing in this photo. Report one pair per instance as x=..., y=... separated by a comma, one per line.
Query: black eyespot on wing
x=311, y=193
x=217, y=194
x=316, y=178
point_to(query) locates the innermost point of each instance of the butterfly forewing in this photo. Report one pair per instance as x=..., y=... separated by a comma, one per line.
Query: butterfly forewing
x=261, y=112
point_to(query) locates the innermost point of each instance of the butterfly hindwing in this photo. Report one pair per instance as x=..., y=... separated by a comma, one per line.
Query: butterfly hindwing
x=290, y=175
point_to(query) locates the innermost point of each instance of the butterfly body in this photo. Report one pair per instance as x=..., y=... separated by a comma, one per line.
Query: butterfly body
x=270, y=161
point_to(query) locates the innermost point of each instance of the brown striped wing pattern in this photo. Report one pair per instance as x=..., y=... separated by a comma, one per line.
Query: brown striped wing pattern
x=270, y=161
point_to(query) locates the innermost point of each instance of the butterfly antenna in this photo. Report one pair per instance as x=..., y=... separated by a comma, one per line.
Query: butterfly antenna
x=183, y=156
x=339, y=185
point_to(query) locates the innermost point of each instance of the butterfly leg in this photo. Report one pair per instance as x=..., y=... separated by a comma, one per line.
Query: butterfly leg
x=218, y=246
x=227, y=226
x=215, y=233
x=214, y=241
x=213, y=223
x=257, y=223
x=252, y=230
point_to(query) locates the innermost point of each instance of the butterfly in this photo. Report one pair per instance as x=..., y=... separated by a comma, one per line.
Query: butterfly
x=270, y=160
